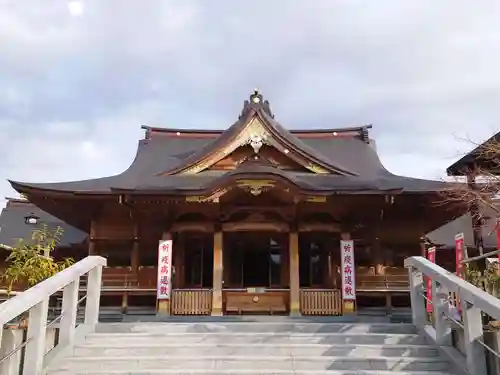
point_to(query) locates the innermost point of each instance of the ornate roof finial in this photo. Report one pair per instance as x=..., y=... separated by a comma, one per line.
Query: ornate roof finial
x=256, y=101
x=256, y=97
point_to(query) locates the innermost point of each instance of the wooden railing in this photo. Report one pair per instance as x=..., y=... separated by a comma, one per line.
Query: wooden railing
x=191, y=302
x=320, y=302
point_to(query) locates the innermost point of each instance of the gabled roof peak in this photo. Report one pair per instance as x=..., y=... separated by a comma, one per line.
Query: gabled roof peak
x=256, y=102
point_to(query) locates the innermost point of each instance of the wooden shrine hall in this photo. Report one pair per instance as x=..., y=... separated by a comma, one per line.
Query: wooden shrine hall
x=256, y=214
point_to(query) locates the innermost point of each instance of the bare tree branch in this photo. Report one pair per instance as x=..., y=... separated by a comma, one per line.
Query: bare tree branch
x=483, y=194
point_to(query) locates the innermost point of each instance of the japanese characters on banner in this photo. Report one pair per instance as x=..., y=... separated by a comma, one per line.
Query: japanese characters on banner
x=459, y=254
x=498, y=237
x=431, y=256
x=348, y=271
x=164, y=285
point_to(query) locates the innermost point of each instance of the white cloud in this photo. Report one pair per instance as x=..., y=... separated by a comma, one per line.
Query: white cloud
x=75, y=8
x=74, y=92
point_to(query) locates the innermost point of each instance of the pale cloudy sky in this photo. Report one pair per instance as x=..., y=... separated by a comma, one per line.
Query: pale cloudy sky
x=79, y=78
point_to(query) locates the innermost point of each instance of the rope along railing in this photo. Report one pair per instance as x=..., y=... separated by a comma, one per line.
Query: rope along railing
x=456, y=302
x=35, y=303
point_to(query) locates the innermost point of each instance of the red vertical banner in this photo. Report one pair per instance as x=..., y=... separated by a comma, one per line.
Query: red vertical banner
x=498, y=237
x=431, y=256
x=348, y=273
x=459, y=254
x=164, y=286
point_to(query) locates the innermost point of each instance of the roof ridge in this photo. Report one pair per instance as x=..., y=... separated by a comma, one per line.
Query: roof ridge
x=220, y=131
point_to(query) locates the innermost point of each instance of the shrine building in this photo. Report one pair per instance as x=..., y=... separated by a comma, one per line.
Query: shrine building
x=256, y=214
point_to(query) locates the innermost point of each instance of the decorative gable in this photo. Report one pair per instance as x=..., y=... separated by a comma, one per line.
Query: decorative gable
x=254, y=141
x=257, y=130
x=266, y=156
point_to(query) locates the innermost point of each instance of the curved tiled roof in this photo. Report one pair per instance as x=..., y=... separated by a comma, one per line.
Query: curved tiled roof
x=354, y=159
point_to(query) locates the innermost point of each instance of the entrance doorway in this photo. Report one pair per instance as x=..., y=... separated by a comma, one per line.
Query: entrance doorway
x=254, y=260
x=254, y=267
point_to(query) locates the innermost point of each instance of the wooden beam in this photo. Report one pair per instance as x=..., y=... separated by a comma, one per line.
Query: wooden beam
x=479, y=257
x=319, y=227
x=204, y=227
x=255, y=227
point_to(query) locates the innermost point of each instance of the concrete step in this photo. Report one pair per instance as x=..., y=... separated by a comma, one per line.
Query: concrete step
x=259, y=349
x=211, y=338
x=255, y=327
x=247, y=372
x=289, y=363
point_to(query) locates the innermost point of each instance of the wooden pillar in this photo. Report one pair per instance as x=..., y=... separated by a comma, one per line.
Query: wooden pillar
x=124, y=302
x=423, y=250
x=326, y=261
x=177, y=261
x=293, y=246
x=333, y=266
x=134, y=256
x=218, y=271
x=226, y=271
x=134, y=259
x=378, y=257
x=92, y=246
x=348, y=307
x=163, y=305
x=285, y=267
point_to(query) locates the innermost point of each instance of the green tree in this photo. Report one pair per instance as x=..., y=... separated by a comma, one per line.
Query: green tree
x=31, y=263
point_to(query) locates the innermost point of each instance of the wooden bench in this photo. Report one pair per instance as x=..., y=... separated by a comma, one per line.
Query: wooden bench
x=118, y=277
x=382, y=283
x=387, y=285
x=147, y=276
x=267, y=302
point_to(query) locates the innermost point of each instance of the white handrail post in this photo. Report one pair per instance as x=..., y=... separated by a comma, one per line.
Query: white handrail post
x=69, y=312
x=37, y=333
x=12, y=339
x=440, y=308
x=418, y=310
x=473, y=331
x=93, y=296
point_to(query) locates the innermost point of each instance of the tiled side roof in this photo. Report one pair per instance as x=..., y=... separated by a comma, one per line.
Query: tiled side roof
x=477, y=156
x=13, y=226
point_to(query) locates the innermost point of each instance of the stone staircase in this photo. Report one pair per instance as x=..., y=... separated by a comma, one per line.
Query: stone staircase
x=281, y=347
